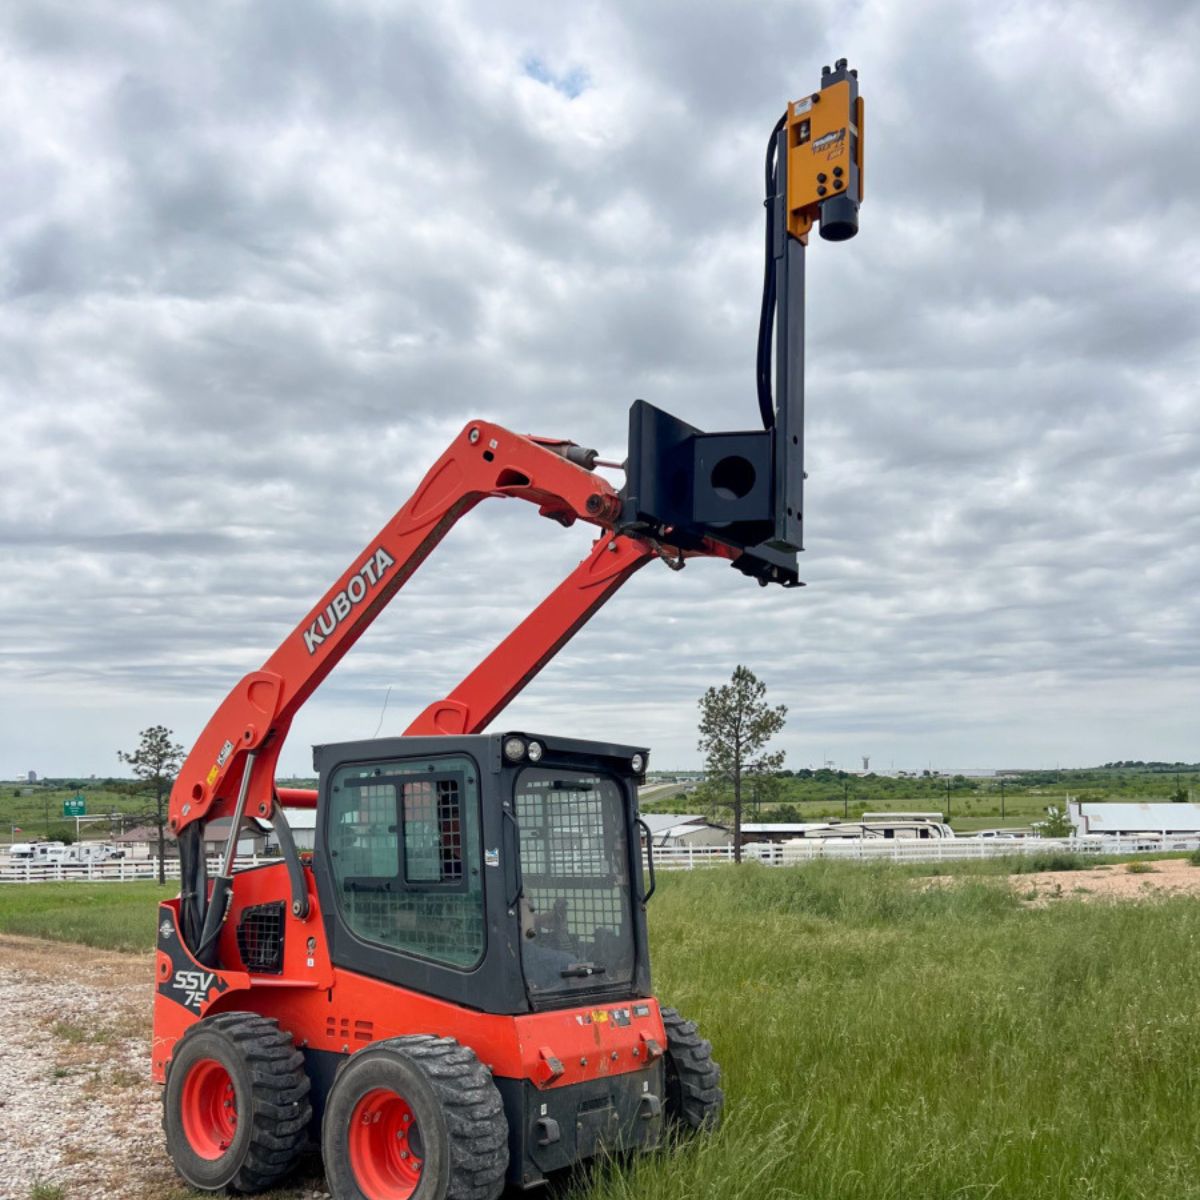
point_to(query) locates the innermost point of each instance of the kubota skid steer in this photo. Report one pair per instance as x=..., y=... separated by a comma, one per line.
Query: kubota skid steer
x=454, y=991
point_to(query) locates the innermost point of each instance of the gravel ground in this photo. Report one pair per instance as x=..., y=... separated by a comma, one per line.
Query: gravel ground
x=78, y=1113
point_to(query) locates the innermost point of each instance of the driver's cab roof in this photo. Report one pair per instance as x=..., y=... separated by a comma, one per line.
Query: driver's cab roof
x=487, y=748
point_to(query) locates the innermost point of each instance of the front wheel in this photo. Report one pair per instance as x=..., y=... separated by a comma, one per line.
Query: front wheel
x=415, y=1118
x=235, y=1108
x=693, y=1079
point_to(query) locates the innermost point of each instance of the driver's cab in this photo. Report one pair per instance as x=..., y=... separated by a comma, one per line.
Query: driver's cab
x=502, y=872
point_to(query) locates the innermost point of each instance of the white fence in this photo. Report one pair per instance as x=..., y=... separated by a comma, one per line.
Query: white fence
x=914, y=850
x=121, y=870
x=917, y=850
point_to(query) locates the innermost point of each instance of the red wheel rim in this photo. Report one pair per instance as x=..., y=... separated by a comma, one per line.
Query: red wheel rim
x=386, y=1151
x=209, y=1105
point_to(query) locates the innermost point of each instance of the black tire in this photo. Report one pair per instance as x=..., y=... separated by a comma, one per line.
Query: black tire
x=262, y=1076
x=461, y=1133
x=693, y=1079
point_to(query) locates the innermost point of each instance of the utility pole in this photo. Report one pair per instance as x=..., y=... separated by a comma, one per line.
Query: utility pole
x=1002, y=799
x=948, y=813
x=845, y=798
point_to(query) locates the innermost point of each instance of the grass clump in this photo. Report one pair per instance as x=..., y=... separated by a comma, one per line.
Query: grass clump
x=46, y=1191
x=1141, y=868
x=70, y=1032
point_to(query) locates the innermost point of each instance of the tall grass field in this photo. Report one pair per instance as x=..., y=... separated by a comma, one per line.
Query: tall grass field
x=886, y=1040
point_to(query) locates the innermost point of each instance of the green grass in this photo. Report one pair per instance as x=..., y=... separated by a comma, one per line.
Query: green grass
x=111, y=916
x=884, y=1041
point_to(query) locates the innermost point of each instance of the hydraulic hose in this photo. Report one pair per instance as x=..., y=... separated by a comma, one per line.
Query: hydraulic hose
x=766, y=319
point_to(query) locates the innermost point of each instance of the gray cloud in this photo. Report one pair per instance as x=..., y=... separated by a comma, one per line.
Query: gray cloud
x=259, y=263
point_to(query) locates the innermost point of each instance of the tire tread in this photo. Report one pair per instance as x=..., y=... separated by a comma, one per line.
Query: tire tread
x=473, y=1110
x=280, y=1109
x=694, y=1095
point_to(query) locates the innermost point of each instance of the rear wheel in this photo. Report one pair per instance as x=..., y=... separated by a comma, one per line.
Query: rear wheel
x=415, y=1118
x=235, y=1108
x=693, y=1080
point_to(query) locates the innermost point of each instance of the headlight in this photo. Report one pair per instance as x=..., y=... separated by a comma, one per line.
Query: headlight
x=514, y=749
x=535, y=751
x=638, y=763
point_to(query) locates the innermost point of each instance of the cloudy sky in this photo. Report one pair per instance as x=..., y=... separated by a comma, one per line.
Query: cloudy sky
x=259, y=262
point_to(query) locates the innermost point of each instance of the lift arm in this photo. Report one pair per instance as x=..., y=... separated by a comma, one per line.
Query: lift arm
x=249, y=728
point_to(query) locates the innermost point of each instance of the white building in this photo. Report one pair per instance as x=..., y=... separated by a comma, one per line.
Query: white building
x=303, y=824
x=675, y=830
x=1165, y=819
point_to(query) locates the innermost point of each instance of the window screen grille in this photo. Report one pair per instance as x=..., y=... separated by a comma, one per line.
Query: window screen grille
x=433, y=848
x=260, y=938
x=575, y=864
x=405, y=854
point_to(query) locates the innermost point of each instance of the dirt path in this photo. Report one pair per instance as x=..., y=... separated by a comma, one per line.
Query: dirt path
x=1149, y=880
x=77, y=1109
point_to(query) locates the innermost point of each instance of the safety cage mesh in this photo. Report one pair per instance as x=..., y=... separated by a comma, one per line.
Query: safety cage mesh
x=402, y=848
x=260, y=938
x=574, y=866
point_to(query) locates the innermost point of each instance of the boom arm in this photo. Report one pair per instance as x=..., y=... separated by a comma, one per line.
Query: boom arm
x=483, y=461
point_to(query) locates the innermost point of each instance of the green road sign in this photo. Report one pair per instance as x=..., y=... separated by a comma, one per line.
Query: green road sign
x=75, y=807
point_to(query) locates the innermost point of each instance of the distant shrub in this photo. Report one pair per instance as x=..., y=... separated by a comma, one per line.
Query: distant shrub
x=1056, y=823
x=1050, y=860
x=1194, y=858
x=1140, y=868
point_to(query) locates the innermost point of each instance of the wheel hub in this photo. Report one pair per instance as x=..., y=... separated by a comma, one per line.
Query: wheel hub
x=209, y=1109
x=387, y=1153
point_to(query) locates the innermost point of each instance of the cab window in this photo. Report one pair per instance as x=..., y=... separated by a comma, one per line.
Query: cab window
x=404, y=850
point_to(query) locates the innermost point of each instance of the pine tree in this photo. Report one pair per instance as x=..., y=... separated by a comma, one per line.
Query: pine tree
x=156, y=761
x=736, y=723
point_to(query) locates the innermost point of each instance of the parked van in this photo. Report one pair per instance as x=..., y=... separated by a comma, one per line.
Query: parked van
x=37, y=853
x=83, y=853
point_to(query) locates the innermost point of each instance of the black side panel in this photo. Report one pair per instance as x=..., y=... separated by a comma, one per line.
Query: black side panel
x=321, y=1066
x=556, y=1128
x=788, y=533
x=723, y=486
